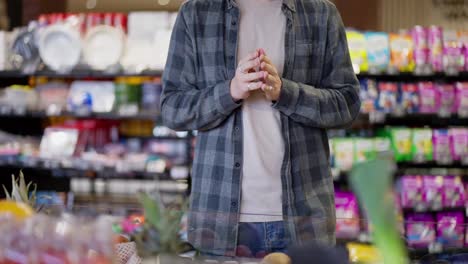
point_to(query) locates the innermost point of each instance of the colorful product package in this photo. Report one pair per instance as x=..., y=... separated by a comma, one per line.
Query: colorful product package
x=344, y=153
x=388, y=94
x=401, y=52
x=436, y=46
x=401, y=143
x=461, y=99
x=369, y=95
x=422, y=144
x=364, y=149
x=347, y=215
x=454, y=192
x=459, y=144
x=454, y=59
x=421, y=49
x=432, y=192
x=382, y=144
x=409, y=98
x=420, y=230
x=410, y=188
x=428, y=96
x=378, y=51
x=446, y=94
x=357, y=50
x=441, y=146
x=450, y=229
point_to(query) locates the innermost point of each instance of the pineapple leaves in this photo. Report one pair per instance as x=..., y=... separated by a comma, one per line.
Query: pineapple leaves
x=152, y=210
x=7, y=194
x=20, y=190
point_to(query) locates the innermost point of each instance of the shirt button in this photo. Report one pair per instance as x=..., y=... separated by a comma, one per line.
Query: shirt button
x=236, y=129
x=234, y=204
x=237, y=165
x=233, y=22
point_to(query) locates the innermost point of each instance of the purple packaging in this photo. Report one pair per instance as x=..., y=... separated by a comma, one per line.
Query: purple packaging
x=446, y=94
x=420, y=230
x=428, y=98
x=461, y=98
x=436, y=48
x=450, y=229
x=411, y=192
x=459, y=144
x=421, y=50
x=454, y=192
x=441, y=146
x=432, y=192
x=347, y=215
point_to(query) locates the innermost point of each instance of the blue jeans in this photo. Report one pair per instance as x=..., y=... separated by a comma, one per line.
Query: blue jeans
x=256, y=240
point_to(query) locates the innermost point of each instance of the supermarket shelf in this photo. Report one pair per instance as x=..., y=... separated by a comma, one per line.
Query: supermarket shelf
x=414, y=77
x=445, y=209
x=109, y=116
x=412, y=120
x=57, y=171
x=78, y=74
x=419, y=254
x=431, y=165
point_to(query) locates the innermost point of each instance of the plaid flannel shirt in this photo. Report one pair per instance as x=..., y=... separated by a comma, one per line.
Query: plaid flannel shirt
x=320, y=91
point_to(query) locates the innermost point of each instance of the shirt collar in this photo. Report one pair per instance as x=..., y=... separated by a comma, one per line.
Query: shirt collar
x=291, y=4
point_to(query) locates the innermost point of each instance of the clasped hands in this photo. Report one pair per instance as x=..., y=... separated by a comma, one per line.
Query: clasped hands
x=248, y=79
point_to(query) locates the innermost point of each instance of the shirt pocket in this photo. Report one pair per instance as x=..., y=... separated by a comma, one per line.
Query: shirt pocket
x=306, y=67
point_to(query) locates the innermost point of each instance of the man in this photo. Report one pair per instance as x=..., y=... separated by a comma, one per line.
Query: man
x=261, y=81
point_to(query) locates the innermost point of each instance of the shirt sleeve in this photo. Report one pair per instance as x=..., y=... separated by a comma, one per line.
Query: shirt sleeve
x=336, y=103
x=185, y=104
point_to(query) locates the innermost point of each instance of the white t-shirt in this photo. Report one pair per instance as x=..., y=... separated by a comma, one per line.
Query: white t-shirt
x=262, y=25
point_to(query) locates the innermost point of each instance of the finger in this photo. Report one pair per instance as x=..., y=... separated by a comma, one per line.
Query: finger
x=266, y=59
x=267, y=87
x=249, y=77
x=249, y=65
x=249, y=57
x=268, y=68
x=254, y=86
x=270, y=79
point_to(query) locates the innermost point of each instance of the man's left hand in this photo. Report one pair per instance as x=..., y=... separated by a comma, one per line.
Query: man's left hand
x=272, y=83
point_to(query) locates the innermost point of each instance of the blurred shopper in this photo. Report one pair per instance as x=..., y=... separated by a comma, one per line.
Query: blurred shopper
x=261, y=81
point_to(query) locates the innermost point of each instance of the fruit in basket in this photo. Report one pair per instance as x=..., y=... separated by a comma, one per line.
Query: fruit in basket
x=20, y=191
x=18, y=210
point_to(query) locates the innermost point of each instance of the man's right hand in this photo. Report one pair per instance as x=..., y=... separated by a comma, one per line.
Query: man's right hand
x=247, y=79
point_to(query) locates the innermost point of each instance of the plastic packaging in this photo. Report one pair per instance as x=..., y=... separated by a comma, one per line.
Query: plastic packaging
x=378, y=51
x=388, y=94
x=411, y=196
x=428, y=97
x=432, y=192
x=450, y=229
x=401, y=50
x=454, y=59
x=344, y=153
x=421, y=50
x=441, y=145
x=347, y=215
x=422, y=145
x=436, y=47
x=357, y=50
x=401, y=143
x=409, y=98
x=446, y=95
x=461, y=99
x=454, y=192
x=459, y=144
x=369, y=95
x=420, y=230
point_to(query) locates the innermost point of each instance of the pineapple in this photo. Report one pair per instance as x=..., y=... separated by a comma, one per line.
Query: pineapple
x=20, y=191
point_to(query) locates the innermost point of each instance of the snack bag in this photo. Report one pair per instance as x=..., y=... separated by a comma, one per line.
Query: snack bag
x=364, y=150
x=421, y=48
x=388, y=93
x=344, y=153
x=461, y=99
x=428, y=96
x=446, y=94
x=347, y=215
x=436, y=47
x=369, y=95
x=454, y=192
x=401, y=52
x=401, y=143
x=420, y=230
x=422, y=145
x=441, y=145
x=410, y=189
x=382, y=144
x=409, y=98
x=454, y=59
x=459, y=144
x=357, y=50
x=378, y=51
x=450, y=229
x=432, y=192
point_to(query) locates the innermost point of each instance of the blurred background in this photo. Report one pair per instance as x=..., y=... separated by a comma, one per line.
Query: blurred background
x=79, y=111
